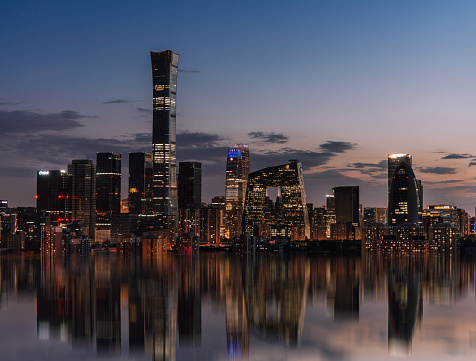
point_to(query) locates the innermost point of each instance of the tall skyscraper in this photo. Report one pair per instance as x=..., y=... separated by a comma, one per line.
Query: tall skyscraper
x=237, y=170
x=52, y=194
x=404, y=196
x=140, y=182
x=190, y=185
x=83, y=193
x=393, y=161
x=108, y=187
x=164, y=182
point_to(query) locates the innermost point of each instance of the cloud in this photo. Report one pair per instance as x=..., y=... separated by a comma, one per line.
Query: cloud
x=192, y=139
x=26, y=121
x=337, y=147
x=438, y=170
x=10, y=103
x=471, y=163
x=143, y=110
x=119, y=101
x=21, y=172
x=457, y=156
x=189, y=71
x=269, y=137
x=309, y=159
x=369, y=168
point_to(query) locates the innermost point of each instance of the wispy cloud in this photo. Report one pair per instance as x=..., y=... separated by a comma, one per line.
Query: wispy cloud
x=269, y=137
x=143, y=110
x=119, y=101
x=337, y=147
x=458, y=156
x=27, y=121
x=438, y=170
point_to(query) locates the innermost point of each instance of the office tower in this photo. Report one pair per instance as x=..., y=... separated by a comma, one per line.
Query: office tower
x=51, y=238
x=190, y=185
x=52, y=194
x=382, y=215
x=347, y=204
x=164, y=182
x=393, y=161
x=108, y=187
x=3, y=206
x=237, y=170
x=404, y=198
x=289, y=178
x=140, y=182
x=370, y=215
x=347, y=209
x=83, y=193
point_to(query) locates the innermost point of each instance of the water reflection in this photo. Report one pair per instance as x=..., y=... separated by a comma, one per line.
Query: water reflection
x=153, y=308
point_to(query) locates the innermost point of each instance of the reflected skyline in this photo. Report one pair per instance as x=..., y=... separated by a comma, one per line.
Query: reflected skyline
x=169, y=308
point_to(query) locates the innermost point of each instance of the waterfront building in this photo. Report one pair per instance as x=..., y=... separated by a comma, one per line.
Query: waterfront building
x=190, y=185
x=140, y=182
x=237, y=170
x=108, y=187
x=83, y=193
x=347, y=210
x=405, y=199
x=164, y=152
x=52, y=194
x=289, y=178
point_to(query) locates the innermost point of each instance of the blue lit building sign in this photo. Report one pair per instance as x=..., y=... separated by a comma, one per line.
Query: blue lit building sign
x=234, y=153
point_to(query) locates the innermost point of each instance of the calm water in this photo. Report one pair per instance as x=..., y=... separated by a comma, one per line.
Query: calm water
x=220, y=307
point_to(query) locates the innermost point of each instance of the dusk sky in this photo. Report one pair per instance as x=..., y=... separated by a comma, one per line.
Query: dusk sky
x=335, y=84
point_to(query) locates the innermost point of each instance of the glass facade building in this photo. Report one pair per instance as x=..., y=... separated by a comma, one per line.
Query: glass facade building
x=140, y=182
x=237, y=170
x=164, y=154
x=83, y=192
x=404, y=201
x=190, y=185
x=108, y=186
x=294, y=210
x=52, y=194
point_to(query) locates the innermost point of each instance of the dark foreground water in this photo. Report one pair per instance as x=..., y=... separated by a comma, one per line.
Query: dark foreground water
x=220, y=307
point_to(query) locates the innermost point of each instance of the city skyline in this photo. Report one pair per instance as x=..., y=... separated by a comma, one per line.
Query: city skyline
x=332, y=100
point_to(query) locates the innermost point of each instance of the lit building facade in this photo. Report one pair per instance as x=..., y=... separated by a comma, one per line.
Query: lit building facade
x=108, y=187
x=237, y=170
x=164, y=153
x=52, y=194
x=140, y=182
x=289, y=178
x=83, y=192
x=404, y=199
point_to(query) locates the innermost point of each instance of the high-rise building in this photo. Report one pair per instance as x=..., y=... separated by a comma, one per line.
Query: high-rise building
x=164, y=182
x=52, y=194
x=289, y=178
x=108, y=187
x=347, y=208
x=83, y=193
x=190, y=185
x=140, y=182
x=404, y=197
x=370, y=215
x=393, y=161
x=347, y=204
x=237, y=170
